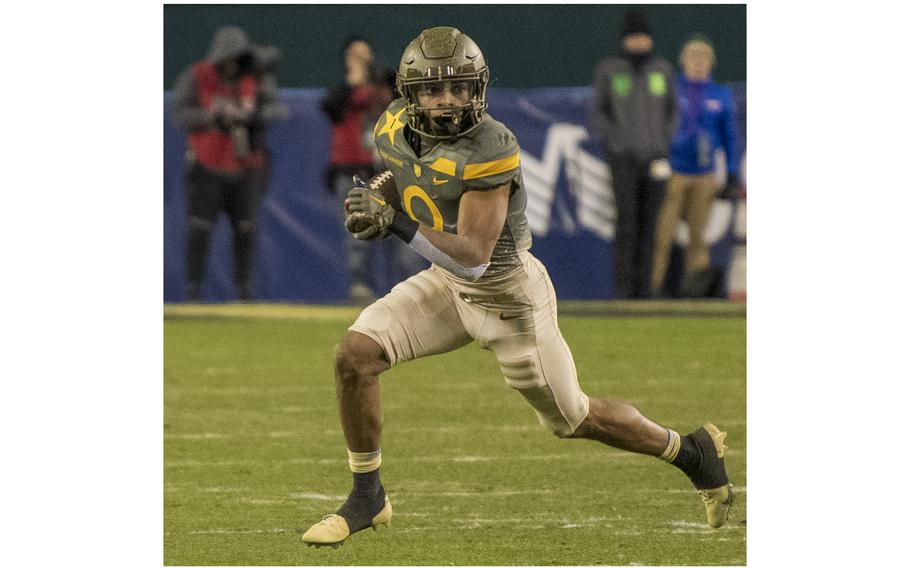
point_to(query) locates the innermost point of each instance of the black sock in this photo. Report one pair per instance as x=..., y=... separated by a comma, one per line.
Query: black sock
x=689, y=458
x=698, y=459
x=365, y=501
x=367, y=483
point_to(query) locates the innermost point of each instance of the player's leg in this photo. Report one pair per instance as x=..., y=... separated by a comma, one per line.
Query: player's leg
x=358, y=362
x=416, y=319
x=620, y=425
x=536, y=361
x=700, y=454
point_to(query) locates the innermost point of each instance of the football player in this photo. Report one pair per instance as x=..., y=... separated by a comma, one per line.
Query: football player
x=462, y=206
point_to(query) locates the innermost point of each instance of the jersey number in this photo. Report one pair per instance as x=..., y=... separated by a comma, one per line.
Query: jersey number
x=413, y=191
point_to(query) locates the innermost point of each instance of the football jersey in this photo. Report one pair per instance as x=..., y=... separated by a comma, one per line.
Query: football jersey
x=430, y=186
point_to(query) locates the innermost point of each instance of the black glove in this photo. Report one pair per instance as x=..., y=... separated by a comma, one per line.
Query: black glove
x=731, y=188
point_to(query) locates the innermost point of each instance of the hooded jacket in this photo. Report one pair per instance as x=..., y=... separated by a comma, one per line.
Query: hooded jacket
x=200, y=86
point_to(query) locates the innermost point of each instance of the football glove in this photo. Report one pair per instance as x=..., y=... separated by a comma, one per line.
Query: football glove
x=368, y=215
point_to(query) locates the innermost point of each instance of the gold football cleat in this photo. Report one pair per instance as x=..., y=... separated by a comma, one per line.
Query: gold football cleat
x=719, y=499
x=333, y=529
x=717, y=504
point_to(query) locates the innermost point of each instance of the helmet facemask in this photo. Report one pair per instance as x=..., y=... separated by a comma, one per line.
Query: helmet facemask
x=456, y=120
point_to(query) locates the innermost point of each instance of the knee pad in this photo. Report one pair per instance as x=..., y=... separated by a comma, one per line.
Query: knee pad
x=560, y=406
x=521, y=373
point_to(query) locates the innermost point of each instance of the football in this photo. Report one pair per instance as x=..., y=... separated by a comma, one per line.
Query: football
x=384, y=183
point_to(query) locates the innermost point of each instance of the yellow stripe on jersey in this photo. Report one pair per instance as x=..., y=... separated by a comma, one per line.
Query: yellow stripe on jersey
x=444, y=166
x=474, y=171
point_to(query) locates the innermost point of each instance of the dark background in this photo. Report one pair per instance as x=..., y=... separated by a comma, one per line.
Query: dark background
x=525, y=45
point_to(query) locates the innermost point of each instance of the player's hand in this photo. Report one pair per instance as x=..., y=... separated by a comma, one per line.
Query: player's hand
x=367, y=205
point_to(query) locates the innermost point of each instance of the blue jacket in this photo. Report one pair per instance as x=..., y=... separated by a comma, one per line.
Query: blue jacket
x=707, y=121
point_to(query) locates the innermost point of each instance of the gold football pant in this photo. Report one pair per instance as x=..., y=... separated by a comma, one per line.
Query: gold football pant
x=513, y=315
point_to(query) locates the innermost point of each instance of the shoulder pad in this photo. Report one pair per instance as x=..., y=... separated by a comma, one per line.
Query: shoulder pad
x=491, y=139
x=494, y=157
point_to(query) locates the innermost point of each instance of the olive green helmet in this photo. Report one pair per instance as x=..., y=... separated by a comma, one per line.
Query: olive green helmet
x=443, y=54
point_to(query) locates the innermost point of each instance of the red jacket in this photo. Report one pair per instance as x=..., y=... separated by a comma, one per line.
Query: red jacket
x=347, y=135
x=213, y=147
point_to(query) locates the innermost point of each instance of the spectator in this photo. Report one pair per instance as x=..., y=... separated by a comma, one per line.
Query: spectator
x=354, y=107
x=636, y=108
x=707, y=122
x=224, y=103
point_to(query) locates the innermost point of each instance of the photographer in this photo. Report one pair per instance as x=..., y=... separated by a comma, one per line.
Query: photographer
x=224, y=103
x=353, y=107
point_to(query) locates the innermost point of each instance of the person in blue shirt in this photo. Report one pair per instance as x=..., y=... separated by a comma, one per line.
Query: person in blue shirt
x=706, y=122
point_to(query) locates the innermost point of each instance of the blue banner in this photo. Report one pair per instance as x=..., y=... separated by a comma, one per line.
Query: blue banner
x=301, y=254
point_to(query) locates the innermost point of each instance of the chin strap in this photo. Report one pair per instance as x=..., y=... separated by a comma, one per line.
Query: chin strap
x=447, y=124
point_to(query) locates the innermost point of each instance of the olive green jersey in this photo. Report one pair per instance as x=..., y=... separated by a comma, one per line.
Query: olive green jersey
x=431, y=185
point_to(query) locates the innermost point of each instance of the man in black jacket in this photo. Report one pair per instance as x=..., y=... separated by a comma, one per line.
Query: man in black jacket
x=636, y=109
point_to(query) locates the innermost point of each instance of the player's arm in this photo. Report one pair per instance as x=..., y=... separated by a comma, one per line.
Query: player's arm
x=467, y=253
x=481, y=216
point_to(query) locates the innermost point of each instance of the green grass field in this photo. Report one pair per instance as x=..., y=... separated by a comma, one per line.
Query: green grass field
x=254, y=453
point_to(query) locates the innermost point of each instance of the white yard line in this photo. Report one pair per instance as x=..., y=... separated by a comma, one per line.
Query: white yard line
x=736, y=489
x=474, y=493
x=242, y=391
x=420, y=459
x=514, y=523
x=197, y=436
x=199, y=463
x=318, y=496
x=196, y=489
x=241, y=531
x=270, y=502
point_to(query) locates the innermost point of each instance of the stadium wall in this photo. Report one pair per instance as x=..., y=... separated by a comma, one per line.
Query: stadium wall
x=301, y=254
x=526, y=46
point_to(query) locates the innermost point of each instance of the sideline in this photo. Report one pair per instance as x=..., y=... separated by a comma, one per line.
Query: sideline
x=580, y=308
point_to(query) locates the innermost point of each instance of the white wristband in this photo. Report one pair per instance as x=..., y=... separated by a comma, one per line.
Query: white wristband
x=428, y=250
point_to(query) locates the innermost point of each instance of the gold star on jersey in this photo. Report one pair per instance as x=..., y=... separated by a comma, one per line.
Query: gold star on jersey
x=392, y=125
